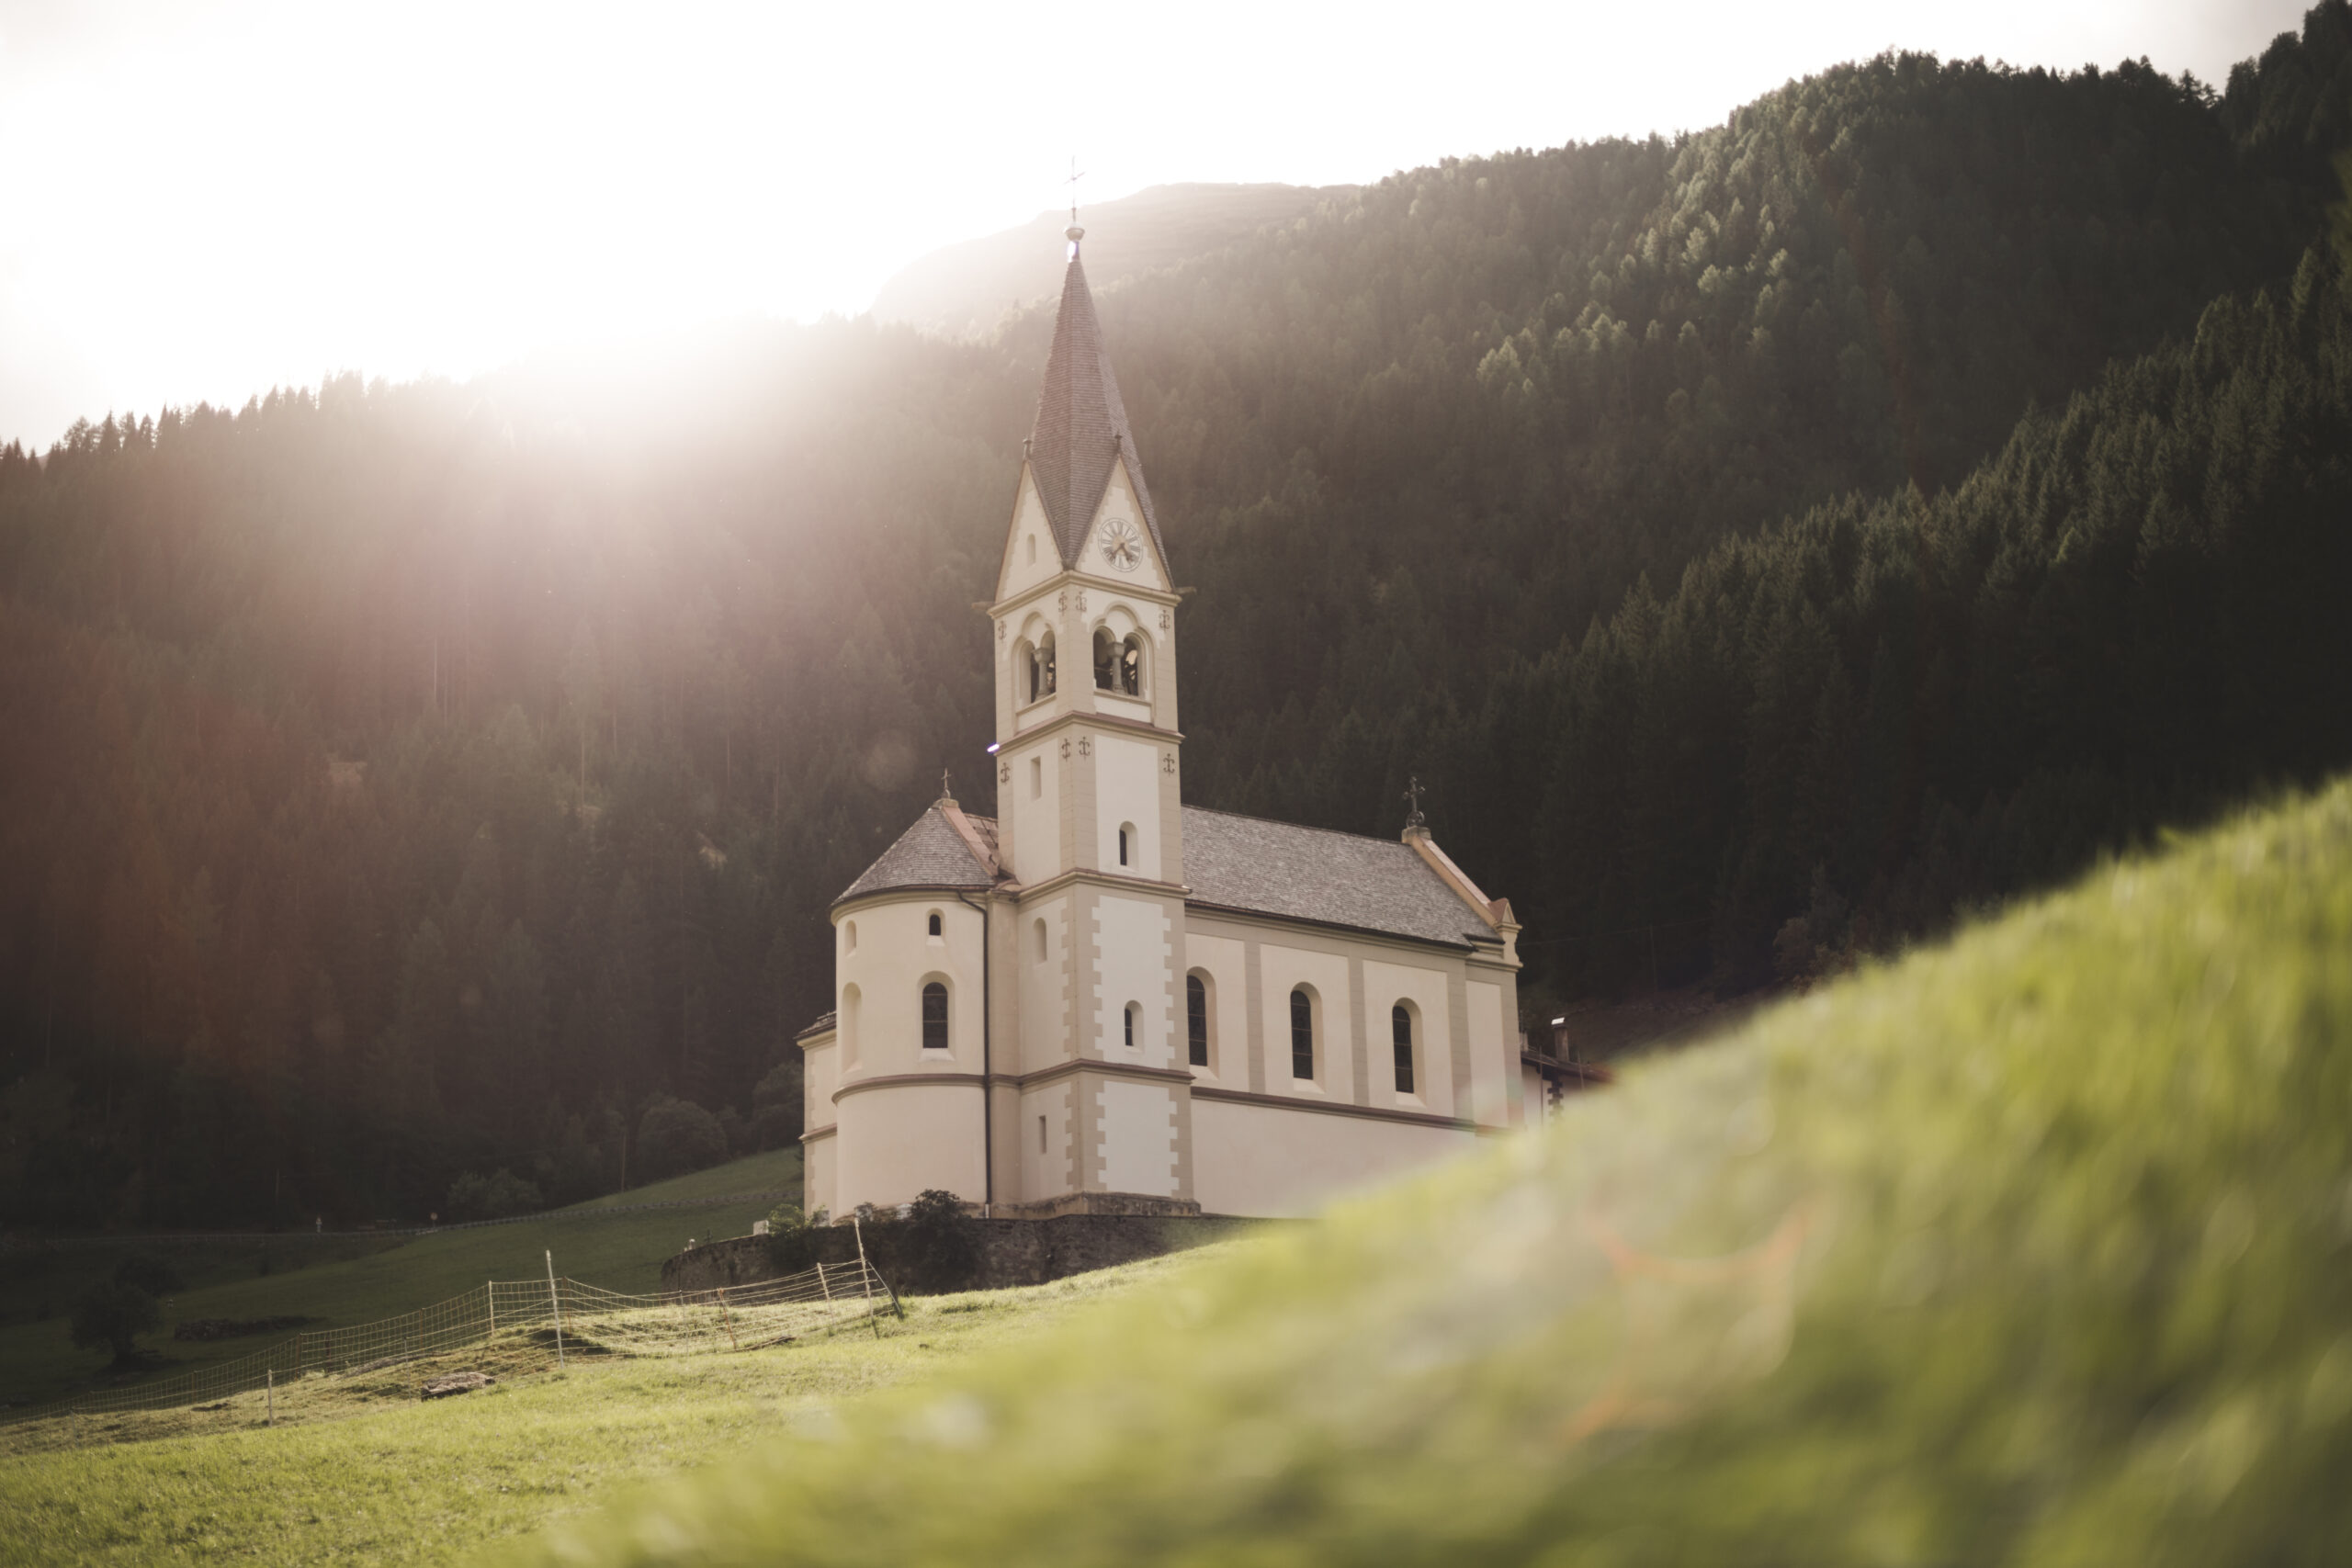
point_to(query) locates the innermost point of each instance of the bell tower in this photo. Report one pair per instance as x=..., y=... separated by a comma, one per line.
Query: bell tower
x=1089, y=826
x=1085, y=633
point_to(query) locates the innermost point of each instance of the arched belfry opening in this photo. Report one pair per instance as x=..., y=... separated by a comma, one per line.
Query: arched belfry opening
x=1119, y=663
x=1037, y=672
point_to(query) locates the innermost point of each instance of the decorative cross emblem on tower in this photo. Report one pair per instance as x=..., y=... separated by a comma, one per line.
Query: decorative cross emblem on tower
x=1413, y=794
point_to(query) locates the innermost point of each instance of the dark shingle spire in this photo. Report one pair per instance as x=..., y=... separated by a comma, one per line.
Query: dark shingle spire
x=1081, y=425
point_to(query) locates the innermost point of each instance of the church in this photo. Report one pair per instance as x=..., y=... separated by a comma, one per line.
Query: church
x=1102, y=1001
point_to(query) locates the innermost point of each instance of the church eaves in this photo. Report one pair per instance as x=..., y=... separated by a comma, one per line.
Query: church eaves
x=1081, y=429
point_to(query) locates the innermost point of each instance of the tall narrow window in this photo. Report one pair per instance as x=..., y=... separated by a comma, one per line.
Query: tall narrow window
x=1130, y=1026
x=1033, y=549
x=934, y=923
x=934, y=1016
x=1122, y=846
x=1037, y=777
x=1041, y=1135
x=1197, y=1018
x=1039, y=933
x=1302, y=1034
x=1400, y=1023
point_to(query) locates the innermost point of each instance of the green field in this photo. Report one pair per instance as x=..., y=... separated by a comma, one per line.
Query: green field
x=360, y=1472
x=360, y=1280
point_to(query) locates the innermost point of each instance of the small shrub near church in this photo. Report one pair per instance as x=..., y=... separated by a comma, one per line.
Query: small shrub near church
x=940, y=1243
x=791, y=1247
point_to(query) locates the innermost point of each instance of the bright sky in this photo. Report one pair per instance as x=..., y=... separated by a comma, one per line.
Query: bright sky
x=207, y=198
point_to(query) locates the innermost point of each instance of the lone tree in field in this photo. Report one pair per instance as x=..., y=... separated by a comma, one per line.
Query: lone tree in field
x=112, y=1314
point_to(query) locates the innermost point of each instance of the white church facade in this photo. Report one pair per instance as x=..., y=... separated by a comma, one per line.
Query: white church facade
x=1102, y=999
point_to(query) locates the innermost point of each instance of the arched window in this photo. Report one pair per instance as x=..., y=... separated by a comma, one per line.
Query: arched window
x=1401, y=1023
x=935, y=922
x=1106, y=660
x=1130, y=1025
x=1131, y=665
x=1033, y=549
x=1197, y=1018
x=849, y=936
x=1302, y=1034
x=1124, y=830
x=934, y=1016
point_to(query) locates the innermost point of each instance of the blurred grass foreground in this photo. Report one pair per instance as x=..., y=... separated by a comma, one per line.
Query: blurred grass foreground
x=2031, y=1248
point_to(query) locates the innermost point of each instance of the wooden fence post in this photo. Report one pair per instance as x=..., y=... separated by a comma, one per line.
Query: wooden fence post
x=557, y=1303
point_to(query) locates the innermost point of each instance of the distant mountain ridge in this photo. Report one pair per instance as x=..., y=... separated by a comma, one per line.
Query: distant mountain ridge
x=962, y=290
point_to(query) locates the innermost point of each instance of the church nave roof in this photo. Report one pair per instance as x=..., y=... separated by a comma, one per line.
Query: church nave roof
x=1247, y=864
x=1260, y=867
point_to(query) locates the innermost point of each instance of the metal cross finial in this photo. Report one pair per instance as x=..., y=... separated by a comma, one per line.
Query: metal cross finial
x=1413, y=794
x=1076, y=174
x=946, y=793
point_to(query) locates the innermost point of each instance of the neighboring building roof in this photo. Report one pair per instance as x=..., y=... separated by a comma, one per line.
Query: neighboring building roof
x=1313, y=874
x=819, y=1027
x=1081, y=424
x=1244, y=863
x=932, y=853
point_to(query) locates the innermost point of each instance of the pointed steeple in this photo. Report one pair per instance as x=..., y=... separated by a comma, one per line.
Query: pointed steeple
x=1081, y=430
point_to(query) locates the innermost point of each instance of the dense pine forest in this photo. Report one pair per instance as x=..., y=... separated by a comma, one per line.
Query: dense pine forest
x=1771, y=544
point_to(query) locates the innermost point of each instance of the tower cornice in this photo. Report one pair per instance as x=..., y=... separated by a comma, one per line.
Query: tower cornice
x=1106, y=720
x=1070, y=577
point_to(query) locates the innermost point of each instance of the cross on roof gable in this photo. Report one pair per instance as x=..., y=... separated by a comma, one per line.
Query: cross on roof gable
x=1081, y=430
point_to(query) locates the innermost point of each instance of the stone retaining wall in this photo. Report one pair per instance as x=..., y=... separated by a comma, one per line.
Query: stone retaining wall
x=1013, y=1252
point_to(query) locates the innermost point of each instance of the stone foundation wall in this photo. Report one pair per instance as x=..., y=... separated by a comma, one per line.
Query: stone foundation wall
x=1013, y=1252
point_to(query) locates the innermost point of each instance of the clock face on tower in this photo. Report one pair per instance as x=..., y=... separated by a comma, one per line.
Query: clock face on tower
x=1121, y=545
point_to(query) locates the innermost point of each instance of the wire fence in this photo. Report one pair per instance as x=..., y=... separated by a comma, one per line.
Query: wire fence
x=552, y=1319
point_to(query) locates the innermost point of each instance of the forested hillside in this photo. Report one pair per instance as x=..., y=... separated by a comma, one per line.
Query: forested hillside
x=1768, y=542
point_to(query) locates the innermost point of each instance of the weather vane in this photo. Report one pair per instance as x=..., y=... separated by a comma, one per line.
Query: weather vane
x=1413, y=794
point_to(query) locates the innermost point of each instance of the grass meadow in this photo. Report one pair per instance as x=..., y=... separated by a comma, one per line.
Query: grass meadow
x=343, y=1280
x=360, y=1469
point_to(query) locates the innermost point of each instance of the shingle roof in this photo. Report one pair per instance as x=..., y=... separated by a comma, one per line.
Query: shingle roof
x=930, y=854
x=1245, y=863
x=1081, y=424
x=1313, y=874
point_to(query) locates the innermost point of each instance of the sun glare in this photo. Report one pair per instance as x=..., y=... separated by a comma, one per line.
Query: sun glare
x=230, y=196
